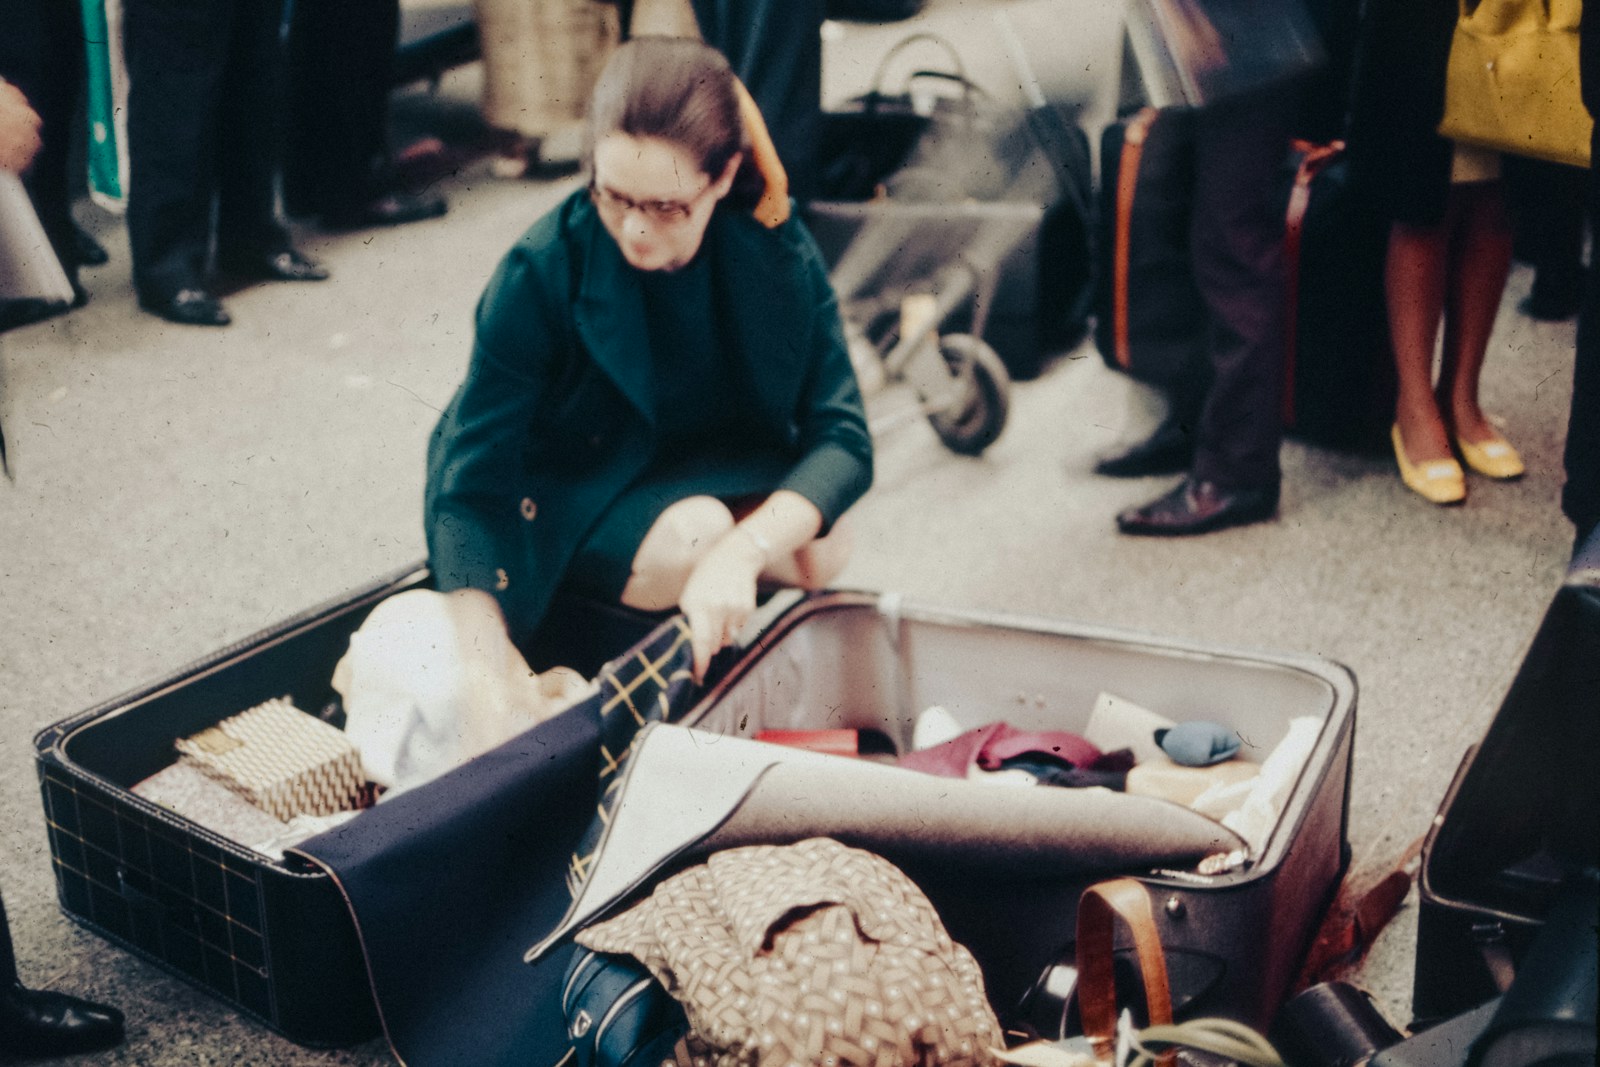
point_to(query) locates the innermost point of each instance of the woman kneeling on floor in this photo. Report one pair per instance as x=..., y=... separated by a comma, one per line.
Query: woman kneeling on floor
x=660, y=409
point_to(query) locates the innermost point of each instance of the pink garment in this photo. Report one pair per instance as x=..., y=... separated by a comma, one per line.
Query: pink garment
x=989, y=746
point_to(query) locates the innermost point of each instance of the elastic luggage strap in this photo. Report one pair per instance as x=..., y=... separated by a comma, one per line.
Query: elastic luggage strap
x=1314, y=159
x=1133, y=138
x=1098, y=909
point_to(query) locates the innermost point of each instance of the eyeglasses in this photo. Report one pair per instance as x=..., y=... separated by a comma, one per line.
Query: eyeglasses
x=664, y=212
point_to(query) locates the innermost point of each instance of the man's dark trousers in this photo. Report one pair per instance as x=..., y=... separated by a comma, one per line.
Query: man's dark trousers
x=205, y=112
x=1580, y=496
x=1236, y=246
x=8, y=959
x=775, y=47
x=42, y=54
x=341, y=59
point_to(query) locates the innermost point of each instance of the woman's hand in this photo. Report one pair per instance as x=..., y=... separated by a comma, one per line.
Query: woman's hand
x=504, y=696
x=720, y=595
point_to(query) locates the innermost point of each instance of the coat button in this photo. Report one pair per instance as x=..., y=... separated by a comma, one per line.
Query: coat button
x=502, y=580
x=529, y=508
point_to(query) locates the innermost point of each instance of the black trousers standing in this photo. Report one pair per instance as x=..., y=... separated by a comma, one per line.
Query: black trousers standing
x=775, y=47
x=341, y=62
x=42, y=54
x=8, y=958
x=205, y=113
x=1549, y=213
x=1236, y=247
x=1580, y=496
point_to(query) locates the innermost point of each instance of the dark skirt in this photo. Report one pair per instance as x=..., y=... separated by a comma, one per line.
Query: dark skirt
x=604, y=561
x=1398, y=161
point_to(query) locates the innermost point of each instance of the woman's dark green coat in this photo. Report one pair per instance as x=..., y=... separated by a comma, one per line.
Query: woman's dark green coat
x=556, y=415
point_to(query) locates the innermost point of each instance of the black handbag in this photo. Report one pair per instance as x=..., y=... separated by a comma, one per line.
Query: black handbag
x=1339, y=374
x=936, y=137
x=617, y=1014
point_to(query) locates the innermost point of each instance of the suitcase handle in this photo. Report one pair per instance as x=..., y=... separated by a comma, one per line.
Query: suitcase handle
x=956, y=73
x=1314, y=159
x=1134, y=135
x=1098, y=909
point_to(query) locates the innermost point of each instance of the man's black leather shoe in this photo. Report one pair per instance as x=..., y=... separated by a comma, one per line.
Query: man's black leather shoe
x=1551, y=306
x=1169, y=450
x=26, y=312
x=189, y=307
x=391, y=209
x=45, y=1023
x=17, y=313
x=1195, y=507
x=285, y=266
x=86, y=250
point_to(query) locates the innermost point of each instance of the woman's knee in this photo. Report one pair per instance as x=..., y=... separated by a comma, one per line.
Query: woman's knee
x=686, y=531
x=676, y=541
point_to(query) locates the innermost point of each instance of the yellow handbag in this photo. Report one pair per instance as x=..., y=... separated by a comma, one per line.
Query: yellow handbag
x=1512, y=84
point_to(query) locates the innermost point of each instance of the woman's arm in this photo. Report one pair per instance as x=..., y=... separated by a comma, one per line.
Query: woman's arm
x=720, y=594
x=477, y=455
x=832, y=473
x=835, y=465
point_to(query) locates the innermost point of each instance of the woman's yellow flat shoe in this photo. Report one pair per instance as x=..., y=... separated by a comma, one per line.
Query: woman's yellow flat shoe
x=1494, y=458
x=1439, y=481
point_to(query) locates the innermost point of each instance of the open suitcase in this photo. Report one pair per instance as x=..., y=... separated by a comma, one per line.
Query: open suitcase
x=275, y=939
x=1519, y=822
x=872, y=662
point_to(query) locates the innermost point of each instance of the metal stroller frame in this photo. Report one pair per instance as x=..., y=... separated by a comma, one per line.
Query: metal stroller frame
x=909, y=266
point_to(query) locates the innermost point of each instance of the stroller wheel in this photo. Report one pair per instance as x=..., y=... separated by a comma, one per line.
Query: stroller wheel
x=977, y=412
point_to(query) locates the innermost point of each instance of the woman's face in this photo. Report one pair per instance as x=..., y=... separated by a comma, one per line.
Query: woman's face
x=654, y=199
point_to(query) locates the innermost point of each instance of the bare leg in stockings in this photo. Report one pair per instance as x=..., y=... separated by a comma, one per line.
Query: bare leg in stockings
x=1479, y=262
x=1415, y=280
x=1455, y=271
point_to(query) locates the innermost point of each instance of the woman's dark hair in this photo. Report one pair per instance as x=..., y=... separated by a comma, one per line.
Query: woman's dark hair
x=680, y=91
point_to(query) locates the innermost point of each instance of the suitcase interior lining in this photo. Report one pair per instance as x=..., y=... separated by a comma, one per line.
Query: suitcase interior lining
x=840, y=661
x=125, y=748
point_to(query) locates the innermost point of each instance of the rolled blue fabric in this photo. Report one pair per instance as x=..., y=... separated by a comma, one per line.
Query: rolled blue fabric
x=1198, y=744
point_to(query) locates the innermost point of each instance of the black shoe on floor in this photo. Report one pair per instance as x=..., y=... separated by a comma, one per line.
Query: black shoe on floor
x=86, y=250
x=285, y=266
x=1550, y=308
x=36, y=1023
x=391, y=209
x=1169, y=450
x=189, y=307
x=17, y=313
x=1195, y=507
